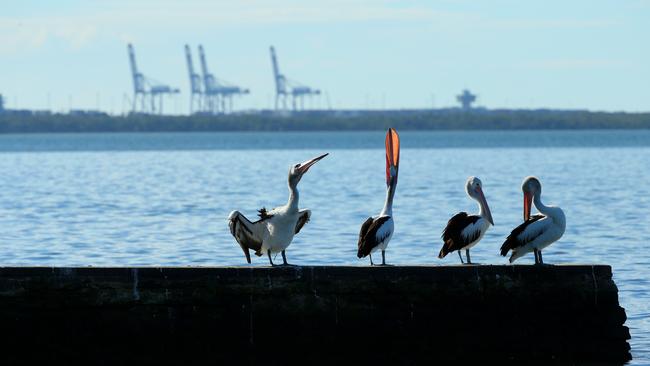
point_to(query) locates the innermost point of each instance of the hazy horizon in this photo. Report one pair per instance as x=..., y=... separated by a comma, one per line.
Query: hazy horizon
x=362, y=54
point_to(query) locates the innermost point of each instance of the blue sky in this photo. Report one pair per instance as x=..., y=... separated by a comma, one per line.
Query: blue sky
x=364, y=54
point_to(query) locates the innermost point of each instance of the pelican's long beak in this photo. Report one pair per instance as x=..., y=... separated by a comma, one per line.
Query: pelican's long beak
x=488, y=214
x=304, y=167
x=528, y=200
x=392, y=154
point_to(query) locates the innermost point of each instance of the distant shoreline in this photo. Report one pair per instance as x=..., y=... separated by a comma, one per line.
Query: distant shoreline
x=450, y=119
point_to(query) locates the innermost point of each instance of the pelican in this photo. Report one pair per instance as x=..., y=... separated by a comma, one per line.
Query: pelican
x=274, y=230
x=538, y=231
x=463, y=231
x=377, y=231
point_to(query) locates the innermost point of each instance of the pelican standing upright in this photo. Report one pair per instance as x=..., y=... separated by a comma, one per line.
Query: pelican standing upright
x=377, y=231
x=537, y=231
x=463, y=231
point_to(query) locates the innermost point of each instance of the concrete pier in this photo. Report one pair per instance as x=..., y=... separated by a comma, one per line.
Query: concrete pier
x=259, y=315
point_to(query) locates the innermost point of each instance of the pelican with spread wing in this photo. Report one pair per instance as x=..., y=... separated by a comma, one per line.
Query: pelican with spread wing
x=274, y=230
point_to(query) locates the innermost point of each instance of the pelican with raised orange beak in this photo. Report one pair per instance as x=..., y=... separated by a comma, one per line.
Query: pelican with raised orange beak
x=463, y=231
x=274, y=230
x=377, y=231
x=538, y=231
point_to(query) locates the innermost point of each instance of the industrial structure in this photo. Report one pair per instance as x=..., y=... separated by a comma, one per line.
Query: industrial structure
x=217, y=94
x=196, y=92
x=210, y=95
x=147, y=93
x=285, y=88
x=466, y=98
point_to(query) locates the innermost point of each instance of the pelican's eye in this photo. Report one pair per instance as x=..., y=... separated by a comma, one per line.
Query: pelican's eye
x=297, y=166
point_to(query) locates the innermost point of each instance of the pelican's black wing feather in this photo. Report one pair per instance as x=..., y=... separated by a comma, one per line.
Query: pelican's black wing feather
x=512, y=241
x=242, y=229
x=368, y=235
x=304, y=217
x=263, y=214
x=452, y=234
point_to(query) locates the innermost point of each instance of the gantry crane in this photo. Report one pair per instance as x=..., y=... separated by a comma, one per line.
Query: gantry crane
x=147, y=93
x=217, y=94
x=196, y=93
x=285, y=88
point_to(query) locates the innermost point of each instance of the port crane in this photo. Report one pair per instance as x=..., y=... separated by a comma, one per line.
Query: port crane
x=288, y=89
x=147, y=93
x=217, y=94
x=196, y=92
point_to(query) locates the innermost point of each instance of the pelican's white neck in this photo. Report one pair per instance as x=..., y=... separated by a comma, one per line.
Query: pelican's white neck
x=294, y=196
x=482, y=210
x=388, y=208
x=553, y=212
x=543, y=209
x=388, y=203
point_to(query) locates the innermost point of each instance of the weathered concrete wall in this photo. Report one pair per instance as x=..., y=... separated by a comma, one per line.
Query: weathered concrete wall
x=407, y=315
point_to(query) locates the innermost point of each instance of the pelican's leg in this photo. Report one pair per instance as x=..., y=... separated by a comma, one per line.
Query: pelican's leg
x=370, y=255
x=469, y=261
x=383, y=257
x=284, y=258
x=539, y=254
x=536, y=256
x=461, y=257
x=268, y=252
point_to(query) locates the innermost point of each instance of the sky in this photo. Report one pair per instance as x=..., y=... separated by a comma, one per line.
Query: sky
x=362, y=54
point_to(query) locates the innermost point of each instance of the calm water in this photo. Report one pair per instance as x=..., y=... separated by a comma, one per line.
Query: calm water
x=163, y=199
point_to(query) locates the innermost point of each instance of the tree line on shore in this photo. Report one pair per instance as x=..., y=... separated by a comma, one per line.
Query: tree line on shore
x=328, y=121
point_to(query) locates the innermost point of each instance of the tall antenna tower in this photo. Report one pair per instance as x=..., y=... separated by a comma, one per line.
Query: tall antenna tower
x=466, y=98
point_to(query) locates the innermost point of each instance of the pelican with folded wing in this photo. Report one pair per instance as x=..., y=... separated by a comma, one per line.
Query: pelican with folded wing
x=463, y=231
x=377, y=230
x=537, y=231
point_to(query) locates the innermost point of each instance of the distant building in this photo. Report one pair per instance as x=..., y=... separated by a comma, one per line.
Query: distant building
x=466, y=99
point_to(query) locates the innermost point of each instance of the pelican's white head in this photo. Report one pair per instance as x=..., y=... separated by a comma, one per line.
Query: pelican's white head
x=531, y=187
x=474, y=189
x=296, y=171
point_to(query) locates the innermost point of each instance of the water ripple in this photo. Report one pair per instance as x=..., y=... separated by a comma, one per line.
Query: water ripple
x=167, y=204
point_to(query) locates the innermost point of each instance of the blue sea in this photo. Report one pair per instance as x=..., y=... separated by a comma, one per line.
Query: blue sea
x=162, y=199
